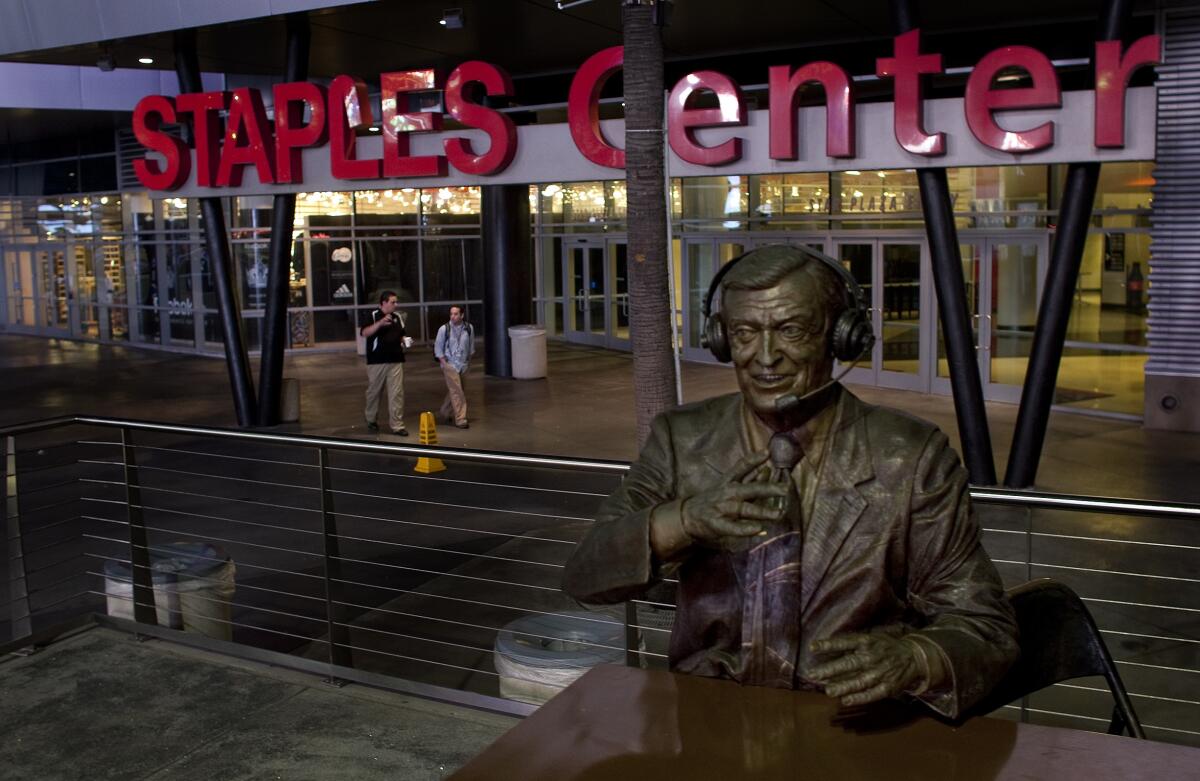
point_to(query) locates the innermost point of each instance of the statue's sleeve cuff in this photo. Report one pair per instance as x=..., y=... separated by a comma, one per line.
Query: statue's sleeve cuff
x=936, y=688
x=668, y=538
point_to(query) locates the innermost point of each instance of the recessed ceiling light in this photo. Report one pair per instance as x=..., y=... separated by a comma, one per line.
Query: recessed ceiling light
x=146, y=60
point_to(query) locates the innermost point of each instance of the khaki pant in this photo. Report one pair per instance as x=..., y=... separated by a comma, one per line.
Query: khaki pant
x=391, y=377
x=456, y=397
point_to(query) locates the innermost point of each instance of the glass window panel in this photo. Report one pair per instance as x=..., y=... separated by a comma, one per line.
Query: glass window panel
x=447, y=265
x=997, y=194
x=715, y=202
x=338, y=325
x=386, y=264
x=901, y=307
x=1014, y=309
x=1110, y=298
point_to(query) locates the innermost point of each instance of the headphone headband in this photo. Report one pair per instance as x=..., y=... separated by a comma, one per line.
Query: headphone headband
x=856, y=298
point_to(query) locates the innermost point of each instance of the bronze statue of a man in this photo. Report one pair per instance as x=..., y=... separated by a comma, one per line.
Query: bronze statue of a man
x=818, y=541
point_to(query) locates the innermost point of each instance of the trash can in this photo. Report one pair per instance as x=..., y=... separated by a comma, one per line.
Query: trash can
x=540, y=655
x=528, y=351
x=193, y=585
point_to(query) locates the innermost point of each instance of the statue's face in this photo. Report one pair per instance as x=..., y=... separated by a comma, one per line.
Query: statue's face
x=779, y=340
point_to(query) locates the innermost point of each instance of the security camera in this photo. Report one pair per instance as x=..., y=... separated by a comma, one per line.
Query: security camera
x=106, y=63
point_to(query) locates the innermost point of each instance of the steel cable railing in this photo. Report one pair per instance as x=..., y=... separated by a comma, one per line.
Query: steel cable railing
x=346, y=558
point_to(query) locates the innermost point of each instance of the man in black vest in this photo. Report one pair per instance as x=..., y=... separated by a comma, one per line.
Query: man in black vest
x=386, y=341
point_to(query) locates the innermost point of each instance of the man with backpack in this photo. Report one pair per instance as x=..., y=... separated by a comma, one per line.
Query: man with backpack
x=454, y=346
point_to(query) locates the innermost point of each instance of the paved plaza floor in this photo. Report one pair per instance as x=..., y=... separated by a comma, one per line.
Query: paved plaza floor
x=585, y=407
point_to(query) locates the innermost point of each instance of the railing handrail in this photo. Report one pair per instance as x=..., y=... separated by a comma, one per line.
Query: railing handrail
x=332, y=443
x=1009, y=496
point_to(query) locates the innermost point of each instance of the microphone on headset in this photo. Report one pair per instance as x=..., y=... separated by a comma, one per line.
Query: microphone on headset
x=789, y=402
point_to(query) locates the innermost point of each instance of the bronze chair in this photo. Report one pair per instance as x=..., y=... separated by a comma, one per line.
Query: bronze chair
x=1059, y=641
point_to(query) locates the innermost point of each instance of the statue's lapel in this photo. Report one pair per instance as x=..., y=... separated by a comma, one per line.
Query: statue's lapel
x=723, y=444
x=838, y=504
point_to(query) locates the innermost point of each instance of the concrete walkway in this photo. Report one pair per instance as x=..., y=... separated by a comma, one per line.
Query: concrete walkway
x=584, y=408
x=104, y=705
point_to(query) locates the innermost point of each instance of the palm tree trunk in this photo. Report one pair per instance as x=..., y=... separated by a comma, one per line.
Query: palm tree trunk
x=650, y=307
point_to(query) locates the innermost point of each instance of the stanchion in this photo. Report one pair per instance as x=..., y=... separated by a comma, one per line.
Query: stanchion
x=428, y=436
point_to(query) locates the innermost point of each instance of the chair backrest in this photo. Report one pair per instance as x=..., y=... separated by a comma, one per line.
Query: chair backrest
x=1059, y=641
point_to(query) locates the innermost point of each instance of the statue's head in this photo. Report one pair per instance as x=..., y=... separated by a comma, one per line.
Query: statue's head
x=779, y=305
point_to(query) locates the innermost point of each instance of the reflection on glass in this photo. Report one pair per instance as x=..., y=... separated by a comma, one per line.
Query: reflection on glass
x=901, y=307
x=1013, y=309
x=54, y=284
x=970, y=254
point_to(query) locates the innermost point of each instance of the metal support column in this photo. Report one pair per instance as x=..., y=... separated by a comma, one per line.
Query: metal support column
x=1054, y=312
x=507, y=292
x=187, y=69
x=283, y=212
x=144, y=611
x=949, y=285
x=339, y=635
x=21, y=623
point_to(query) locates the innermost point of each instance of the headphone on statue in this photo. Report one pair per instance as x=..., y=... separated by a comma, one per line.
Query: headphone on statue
x=849, y=340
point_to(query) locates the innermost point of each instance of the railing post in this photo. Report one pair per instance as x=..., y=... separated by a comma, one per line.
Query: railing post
x=632, y=658
x=144, y=607
x=18, y=590
x=339, y=635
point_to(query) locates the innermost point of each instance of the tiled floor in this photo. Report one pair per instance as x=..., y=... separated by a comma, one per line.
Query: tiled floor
x=584, y=408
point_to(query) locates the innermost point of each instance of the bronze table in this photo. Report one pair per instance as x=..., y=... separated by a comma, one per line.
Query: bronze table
x=628, y=724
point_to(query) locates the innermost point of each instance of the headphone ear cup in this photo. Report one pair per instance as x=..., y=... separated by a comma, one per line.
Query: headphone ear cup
x=715, y=338
x=851, y=335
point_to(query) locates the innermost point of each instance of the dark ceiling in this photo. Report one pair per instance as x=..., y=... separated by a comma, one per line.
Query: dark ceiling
x=542, y=46
x=533, y=38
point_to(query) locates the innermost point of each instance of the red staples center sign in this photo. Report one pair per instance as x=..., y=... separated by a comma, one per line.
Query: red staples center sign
x=245, y=138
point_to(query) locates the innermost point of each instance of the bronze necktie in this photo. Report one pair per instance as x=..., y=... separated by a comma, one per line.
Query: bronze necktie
x=771, y=602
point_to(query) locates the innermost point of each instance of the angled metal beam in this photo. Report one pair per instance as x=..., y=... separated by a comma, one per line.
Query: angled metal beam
x=949, y=285
x=1054, y=312
x=283, y=212
x=241, y=381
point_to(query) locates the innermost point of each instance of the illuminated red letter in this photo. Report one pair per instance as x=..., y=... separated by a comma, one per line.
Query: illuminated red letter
x=149, y=114
x=1112, y=77
x=681, y=120
x=245, y=143
x=348, y=109
x=206, y=130
x=397, y=125
x=583, y=107
x=981, y=100
x=906, y=69
x=839, y=108
x=502, y=133
x=291, y=133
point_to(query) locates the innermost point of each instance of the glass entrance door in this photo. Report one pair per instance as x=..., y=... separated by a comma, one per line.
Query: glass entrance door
x=702, y=258
x=618, y=308
x=20, y=287
x=587, y=305
x=1003, y=278
x=890, y=273
x=51, y=267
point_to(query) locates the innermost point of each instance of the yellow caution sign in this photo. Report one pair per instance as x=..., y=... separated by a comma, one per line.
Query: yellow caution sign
x=428, y=436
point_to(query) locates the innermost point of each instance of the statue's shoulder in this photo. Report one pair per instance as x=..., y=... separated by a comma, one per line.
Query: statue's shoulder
x=892, y=429
x=704, y=415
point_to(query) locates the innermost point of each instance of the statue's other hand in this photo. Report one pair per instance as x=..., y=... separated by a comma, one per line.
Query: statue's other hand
x=868, y=667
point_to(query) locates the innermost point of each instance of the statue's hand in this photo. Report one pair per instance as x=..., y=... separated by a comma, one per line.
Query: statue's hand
x=869, y=667
x=737, y=506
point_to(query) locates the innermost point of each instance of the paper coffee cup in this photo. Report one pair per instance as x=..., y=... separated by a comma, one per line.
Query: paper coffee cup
x=408, y=342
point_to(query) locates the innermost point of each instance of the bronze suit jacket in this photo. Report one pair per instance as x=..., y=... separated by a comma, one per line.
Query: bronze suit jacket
x=891, y=545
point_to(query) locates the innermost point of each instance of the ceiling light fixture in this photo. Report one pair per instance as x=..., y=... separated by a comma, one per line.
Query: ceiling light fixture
x=453, y=19
x=146, y=60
